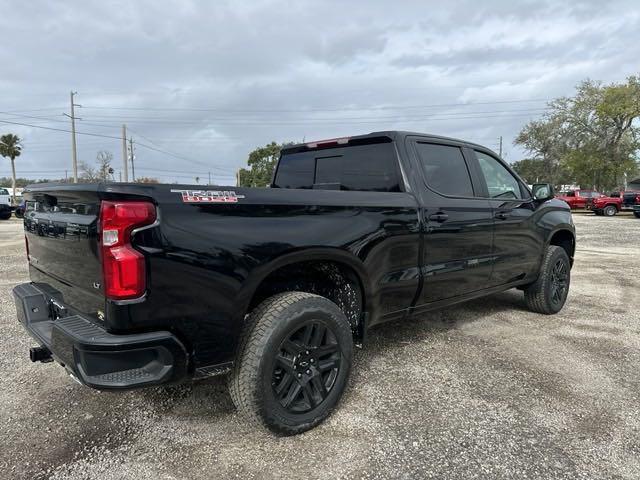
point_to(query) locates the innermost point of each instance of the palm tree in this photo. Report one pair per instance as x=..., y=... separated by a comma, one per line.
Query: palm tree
x=10, y=147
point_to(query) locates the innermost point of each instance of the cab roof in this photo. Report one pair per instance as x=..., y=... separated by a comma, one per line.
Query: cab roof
x=373, y=137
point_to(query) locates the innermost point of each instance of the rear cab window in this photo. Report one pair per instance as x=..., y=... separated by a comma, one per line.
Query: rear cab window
x=445, y=169
x=369, y=167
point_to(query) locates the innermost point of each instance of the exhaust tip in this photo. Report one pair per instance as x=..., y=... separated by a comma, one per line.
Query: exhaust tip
x=40, y=354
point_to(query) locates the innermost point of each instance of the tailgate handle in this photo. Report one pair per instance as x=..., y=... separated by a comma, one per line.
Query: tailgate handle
x=439, y=217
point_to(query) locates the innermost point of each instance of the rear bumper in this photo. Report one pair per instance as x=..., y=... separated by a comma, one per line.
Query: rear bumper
x=95, y=357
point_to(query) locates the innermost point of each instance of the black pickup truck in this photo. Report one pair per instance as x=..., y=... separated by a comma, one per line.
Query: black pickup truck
x=138, y=285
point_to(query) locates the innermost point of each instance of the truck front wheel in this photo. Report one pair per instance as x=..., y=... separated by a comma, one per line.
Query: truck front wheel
x=610, y=210
x=293, y=362
x=549, y=292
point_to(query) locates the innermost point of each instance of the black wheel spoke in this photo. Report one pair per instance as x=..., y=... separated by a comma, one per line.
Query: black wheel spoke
x=328, y=364
x=318, y=335
x=291, y=347
x=308, y=394
x=308, y=332
x=285, y=363
x=292, y=394
x=284, y=385
x=319, y=386
x=325, y=350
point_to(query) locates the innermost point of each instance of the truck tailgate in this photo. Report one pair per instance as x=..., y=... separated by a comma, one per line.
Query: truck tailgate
x=62, y=241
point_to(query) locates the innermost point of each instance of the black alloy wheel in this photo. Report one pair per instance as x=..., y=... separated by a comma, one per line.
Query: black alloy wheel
x=549, y=292
x=306, y=367
x=559, y=281
x=293, y=362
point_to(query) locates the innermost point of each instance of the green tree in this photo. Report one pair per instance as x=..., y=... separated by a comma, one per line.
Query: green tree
x=10, y=147
x=261, y=163
x=544, y=140
x=532, y=170
x=593, y=134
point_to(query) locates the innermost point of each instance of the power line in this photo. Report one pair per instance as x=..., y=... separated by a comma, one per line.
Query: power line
x=156, y=118
x=103, y=136
x=58, y=129
x=337, y=109
x=171, y=153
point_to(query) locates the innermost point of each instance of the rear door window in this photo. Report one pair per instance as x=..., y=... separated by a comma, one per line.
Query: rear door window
x=370, y=167
x=445, y=169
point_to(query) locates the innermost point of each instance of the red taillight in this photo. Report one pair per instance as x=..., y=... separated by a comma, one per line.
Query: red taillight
x=123, y=266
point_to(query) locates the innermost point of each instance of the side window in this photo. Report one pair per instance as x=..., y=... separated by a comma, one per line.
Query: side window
x=445, y=169
x=500, y=182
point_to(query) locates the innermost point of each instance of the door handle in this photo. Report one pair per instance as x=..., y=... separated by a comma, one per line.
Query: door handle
x=439, y=217
x=502, y=215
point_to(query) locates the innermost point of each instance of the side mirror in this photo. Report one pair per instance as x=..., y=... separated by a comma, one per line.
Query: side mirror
x=543, y=191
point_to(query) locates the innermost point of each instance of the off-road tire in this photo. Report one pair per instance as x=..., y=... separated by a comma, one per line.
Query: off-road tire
x=636, y=214
x=539, y=295
x=266, y=328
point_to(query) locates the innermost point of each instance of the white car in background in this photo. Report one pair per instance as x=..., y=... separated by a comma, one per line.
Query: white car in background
x=5, y=204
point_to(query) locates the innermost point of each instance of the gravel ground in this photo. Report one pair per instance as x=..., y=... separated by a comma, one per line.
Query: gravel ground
x=483, y=390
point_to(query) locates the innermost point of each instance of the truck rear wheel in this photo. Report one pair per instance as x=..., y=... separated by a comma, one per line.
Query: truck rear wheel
x=610, y=210
x=548, y=293
x=293, y=362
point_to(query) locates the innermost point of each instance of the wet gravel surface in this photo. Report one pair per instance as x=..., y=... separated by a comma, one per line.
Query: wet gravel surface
x=482, y=390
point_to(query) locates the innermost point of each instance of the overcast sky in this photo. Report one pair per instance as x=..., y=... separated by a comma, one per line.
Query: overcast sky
x=201, y=84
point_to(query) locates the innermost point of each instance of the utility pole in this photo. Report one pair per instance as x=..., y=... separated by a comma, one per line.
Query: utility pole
x=500, y=146
x=124, y=154
x=238, y=178
x=73, y=137
x=132, y=156
x=209, y=179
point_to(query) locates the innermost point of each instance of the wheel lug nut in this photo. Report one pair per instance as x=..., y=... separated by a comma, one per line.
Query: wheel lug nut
x=299, y=375
x=312, y=360
x=308, y=372
x=306, y=352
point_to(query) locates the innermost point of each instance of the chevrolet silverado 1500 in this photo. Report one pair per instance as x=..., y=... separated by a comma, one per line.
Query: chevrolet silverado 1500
x=138, y=285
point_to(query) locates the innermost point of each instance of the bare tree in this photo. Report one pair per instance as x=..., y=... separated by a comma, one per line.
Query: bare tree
x=104, y=159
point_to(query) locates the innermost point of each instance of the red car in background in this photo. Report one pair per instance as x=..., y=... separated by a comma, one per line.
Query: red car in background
x=612, y=204
x=579, y=198
x=607, y=205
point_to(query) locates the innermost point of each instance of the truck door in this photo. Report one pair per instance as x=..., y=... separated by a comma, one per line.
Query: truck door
x=517, y=247
x=457, y=223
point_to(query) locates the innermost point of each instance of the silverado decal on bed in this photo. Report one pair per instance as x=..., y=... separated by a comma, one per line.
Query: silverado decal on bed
x=209, y=196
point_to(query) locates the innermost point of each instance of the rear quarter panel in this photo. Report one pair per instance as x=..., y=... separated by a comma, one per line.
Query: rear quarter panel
x=206, y=259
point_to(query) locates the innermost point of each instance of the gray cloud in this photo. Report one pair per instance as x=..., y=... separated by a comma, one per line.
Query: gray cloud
x=210, y=81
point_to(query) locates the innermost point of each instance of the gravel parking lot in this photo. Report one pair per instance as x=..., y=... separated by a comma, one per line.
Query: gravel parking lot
x=483, y=390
